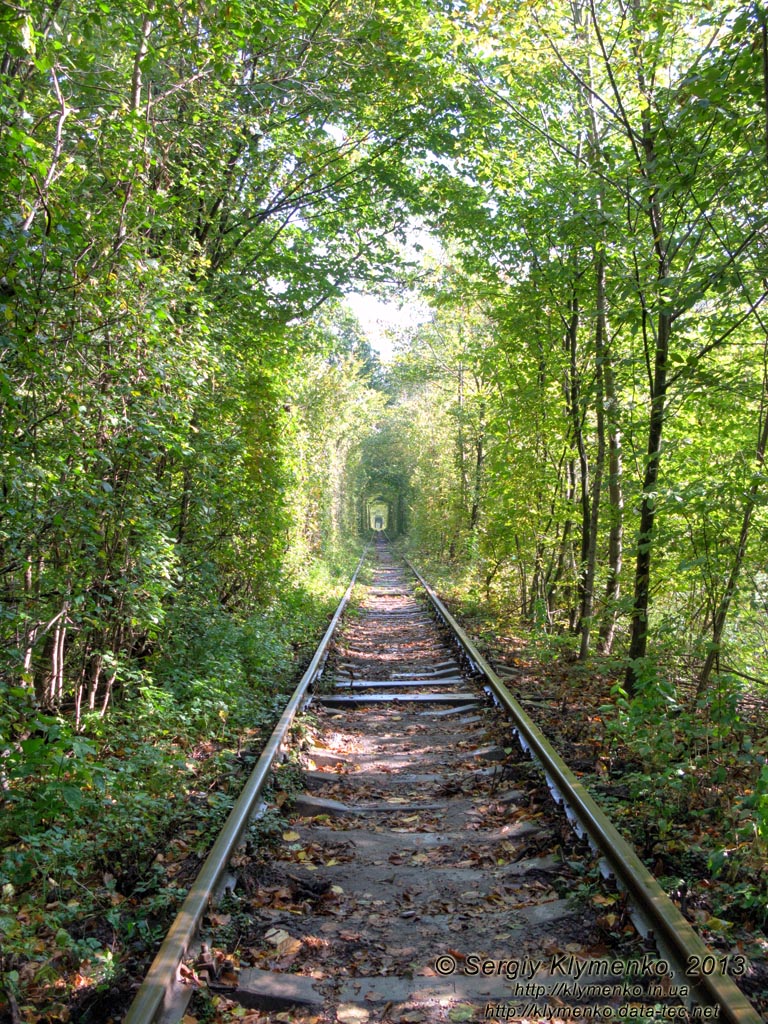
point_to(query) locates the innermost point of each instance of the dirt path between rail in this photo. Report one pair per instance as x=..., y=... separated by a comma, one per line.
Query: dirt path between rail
x=424, y=874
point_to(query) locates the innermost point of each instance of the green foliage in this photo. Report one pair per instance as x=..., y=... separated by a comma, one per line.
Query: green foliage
x=87, y=813
x=756, y=807
x=682, y=767
x=189, y=420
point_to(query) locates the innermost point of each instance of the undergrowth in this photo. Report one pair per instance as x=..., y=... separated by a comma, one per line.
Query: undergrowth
x=686, y=780
x=698, y=798
x=103, y=830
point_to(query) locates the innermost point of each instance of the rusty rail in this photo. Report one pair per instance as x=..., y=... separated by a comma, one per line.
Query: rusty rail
x=674, y=936
x=156, y=991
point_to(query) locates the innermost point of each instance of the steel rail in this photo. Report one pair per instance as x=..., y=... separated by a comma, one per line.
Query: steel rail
x=156, y=991
x=674, y=936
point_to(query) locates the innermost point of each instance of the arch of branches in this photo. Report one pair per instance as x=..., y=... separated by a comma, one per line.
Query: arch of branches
x=382, y=508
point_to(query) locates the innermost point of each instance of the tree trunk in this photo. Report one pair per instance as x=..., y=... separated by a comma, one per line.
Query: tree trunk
x=474, y=514
x=616, y=507
x=607, y=405
x=639, y=638
x=721, y=613
x=588, y=595
x=523, y=577
x=573, y=398
x=658, y=386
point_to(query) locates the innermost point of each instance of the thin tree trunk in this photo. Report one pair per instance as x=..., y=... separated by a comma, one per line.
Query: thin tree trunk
x=97, y=662
x=573, y=397
x=616, y=508
x=721, y=614
x=523, y=577
x=607, y=406
x=56, y=687
x=186, y=502
x=639, y=635
x=141, y=53
x=460, y=453
x=477, y=484
x=588, y=596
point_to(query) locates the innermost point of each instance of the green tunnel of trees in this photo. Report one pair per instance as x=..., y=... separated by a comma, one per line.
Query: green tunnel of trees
x=188, y=410
x=191, y=418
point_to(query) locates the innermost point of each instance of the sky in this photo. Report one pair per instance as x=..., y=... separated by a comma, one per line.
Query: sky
x=383, y=321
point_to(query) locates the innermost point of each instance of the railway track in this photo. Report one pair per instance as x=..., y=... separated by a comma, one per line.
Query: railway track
x=426, y=873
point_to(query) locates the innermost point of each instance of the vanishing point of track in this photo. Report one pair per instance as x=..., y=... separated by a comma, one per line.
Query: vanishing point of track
x=426, y=873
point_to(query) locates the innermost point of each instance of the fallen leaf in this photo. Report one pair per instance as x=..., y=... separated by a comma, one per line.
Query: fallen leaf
x=276, y=936
x=291, y=836
x=348, y=1013
x=604, y=901
x=187, y=976
x=289, y=946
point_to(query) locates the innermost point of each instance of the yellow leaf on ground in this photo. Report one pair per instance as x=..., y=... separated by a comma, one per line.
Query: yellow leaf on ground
x=289, y=946
x=348, y=1013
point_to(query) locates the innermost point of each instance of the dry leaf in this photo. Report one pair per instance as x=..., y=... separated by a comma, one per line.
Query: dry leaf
x=187, y=976
x=348, y=1013
x=275, y=936
x=289, y=947
x=604, y=901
